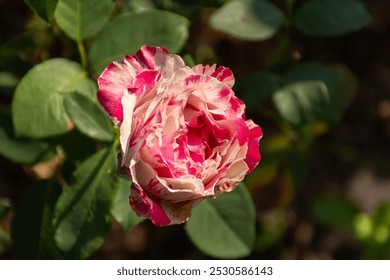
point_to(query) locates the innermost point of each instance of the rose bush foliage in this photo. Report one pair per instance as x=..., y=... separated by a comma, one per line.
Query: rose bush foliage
x=183, y=132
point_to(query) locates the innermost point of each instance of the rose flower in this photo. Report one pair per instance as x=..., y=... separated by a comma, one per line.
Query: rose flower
x=183, y=132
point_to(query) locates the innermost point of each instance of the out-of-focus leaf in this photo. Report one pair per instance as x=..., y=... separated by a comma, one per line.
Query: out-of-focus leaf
x=381, y=219
x=82, y=19
x=312, y=71
x=188, y=60
x=88, y=117
x=11, y=59
x=43, y=8
x=82, y=213
x=8, y=82
x=341, y=96
x=302, y=102
x=362, y=226
x=138, y=5
x=380, y=235
x=120, y=209
x=339, y=80
x=224, y=227
x=251, y=20
x=382, y=214
x=37, y=108
x=5, y=241
x=378, y=242
x=129, y=31
x=256, y=87
x=21, y=42
x=32, y=230
x=334, y=211
x=21, y=150
x=321, y=18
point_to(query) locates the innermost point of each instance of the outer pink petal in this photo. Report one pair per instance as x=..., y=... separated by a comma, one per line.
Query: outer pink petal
x=162, y=212
x=128, y=103
x=144, y=82
x=145, y=207
x=120, y=76
x=158, y=58
x=113, y=82
x=203, y=69
x=146, y=56
x=223, y=74
x=253, y=156
x=158, y=198
x=174, y=190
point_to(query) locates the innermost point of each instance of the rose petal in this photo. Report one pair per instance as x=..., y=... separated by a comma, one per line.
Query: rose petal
x=225, y=75
x=253, y=156
x=158, y=58
x=113, y=82
x=145, y=207
x=128, y=103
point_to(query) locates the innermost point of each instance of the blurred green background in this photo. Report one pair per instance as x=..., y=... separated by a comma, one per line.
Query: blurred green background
x=315, y=75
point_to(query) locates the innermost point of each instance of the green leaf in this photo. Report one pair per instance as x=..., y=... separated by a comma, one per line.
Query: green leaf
x=302, y=102
x=381, y=229
x=321, y=18
x=5, y=241
x=32, y=230
x=334, y=211
x=82, y=213
x=341, y=96
x=129, y=31
x=188, y=60
x=74, y=154
x=251, y=20
x=37, y=108
x=8, y=83
x=256, y=87
x=121, y=210
x=312, y=71
x=21, y=150
x=138, y=5
x=43, y=8
x=88, y=117
x=362, y=226
x=340, y=81
x=382, y=214
x=224, y=227
x=81, y=19
x=375, y=233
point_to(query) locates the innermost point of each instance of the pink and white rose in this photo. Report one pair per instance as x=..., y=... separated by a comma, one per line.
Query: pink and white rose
x=183, y=132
